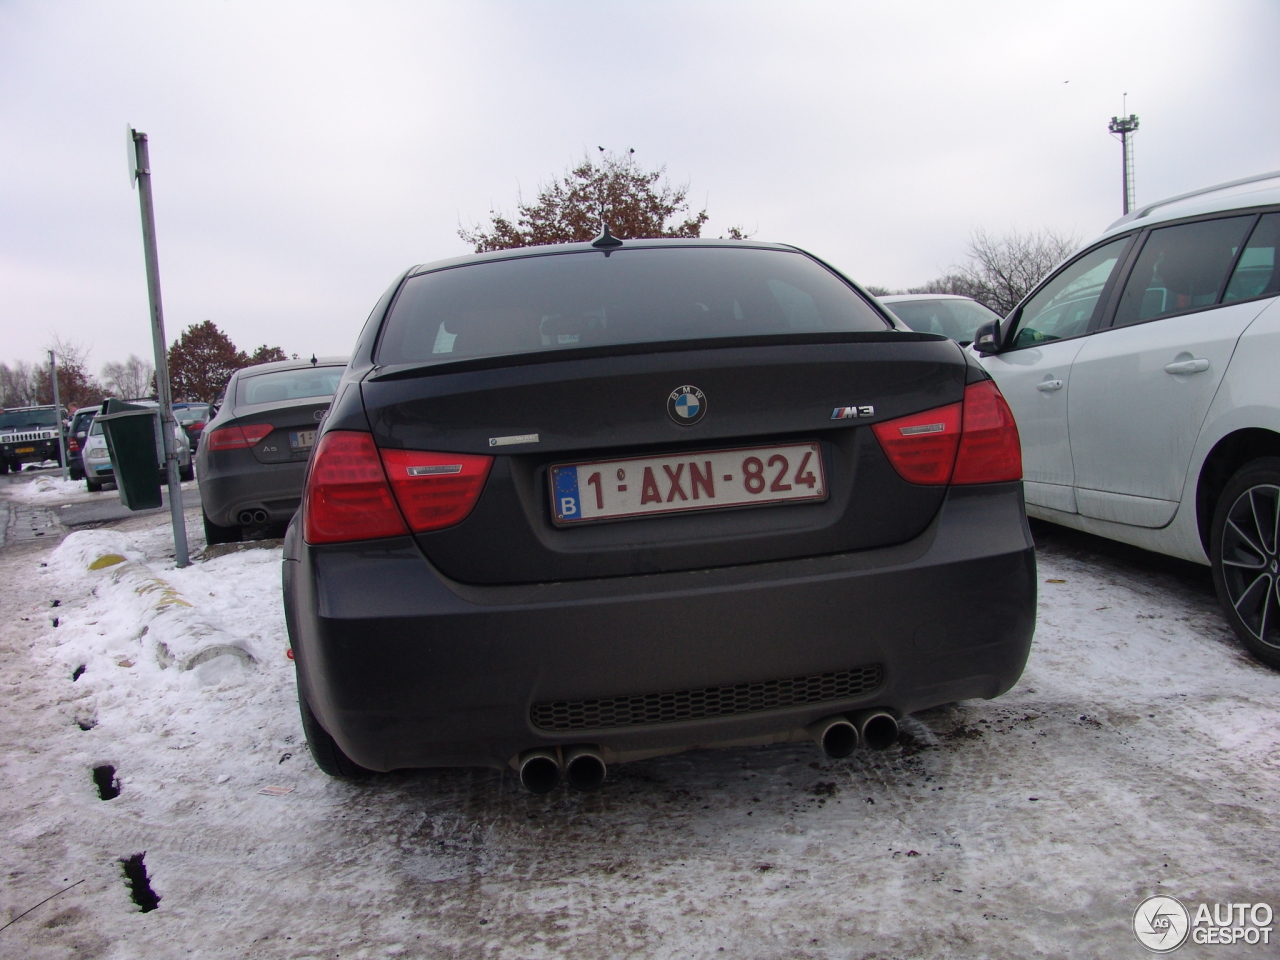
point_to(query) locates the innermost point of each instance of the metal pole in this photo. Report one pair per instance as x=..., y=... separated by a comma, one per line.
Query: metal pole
x=1124, y=170
x=143, y=172
x=57, y=406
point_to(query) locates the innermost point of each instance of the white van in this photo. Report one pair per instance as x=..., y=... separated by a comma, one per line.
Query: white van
x=1144, y=375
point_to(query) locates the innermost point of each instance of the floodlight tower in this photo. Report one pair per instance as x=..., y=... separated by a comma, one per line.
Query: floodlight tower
x=1125, y=127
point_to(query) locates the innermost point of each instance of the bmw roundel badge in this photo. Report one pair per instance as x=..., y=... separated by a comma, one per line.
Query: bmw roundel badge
x=686, y=405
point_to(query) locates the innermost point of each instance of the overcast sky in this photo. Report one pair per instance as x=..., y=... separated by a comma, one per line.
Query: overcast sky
x=304, y=154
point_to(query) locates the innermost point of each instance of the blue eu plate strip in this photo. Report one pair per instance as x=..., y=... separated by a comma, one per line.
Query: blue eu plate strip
x=565, y=483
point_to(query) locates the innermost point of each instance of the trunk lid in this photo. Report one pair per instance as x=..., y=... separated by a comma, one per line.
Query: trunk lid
x=614, y=407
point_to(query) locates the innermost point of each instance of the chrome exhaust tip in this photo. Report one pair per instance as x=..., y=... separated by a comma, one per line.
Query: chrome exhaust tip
x=584, y=768
x=259, y=516
x=539, y=771
x=246, y=517
x=878, y=729
x=837, y=736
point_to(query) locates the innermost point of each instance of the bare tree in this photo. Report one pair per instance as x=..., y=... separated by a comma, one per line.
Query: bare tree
x=18, y=385
x=133, y=378
x=1000, y=271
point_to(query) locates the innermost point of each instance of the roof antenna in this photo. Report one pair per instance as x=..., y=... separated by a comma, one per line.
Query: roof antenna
x=606, y=240
x=313, y=359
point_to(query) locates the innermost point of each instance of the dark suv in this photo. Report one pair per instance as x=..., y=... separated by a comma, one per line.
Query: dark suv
x=591, y=503
x=29, y=435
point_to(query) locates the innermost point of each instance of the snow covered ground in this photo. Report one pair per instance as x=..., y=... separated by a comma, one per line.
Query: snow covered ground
x=1139, y=754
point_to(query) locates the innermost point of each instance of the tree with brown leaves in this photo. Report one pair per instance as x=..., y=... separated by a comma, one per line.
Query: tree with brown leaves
x=636, y=203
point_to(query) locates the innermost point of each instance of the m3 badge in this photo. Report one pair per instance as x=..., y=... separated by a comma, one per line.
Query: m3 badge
x=853, y=413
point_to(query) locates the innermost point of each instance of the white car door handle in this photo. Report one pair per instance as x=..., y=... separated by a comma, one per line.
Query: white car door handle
x=1048, y=386
x=1187, y=366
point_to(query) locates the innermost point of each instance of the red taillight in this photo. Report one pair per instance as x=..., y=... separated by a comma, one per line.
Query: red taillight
x=73, y=445
x=922, y=446
x=347, y=496
x=238, y=437
x=972, y=442
x=990, y=451
x=435, y=490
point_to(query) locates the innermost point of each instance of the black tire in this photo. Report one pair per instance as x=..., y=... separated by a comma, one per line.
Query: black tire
x=93, y=486
x=214, y=534
x=4, y=467
x=1246, y=556
x=325, y=750
x=186, y=473
x=75, y=473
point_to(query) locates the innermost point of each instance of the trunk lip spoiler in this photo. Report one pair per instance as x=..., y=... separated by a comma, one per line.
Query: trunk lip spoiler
x=409, y=371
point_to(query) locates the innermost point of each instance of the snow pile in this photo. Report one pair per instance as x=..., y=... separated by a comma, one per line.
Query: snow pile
x=50, y=489
x=147, y=618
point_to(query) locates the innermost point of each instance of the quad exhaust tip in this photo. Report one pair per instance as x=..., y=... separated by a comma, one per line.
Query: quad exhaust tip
x=840, y=735
x=877, y=729
x=837, y=736
x=539, y=771
x=583, y=768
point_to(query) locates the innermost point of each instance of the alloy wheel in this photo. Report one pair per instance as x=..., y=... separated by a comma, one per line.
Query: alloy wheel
x=1250, y=565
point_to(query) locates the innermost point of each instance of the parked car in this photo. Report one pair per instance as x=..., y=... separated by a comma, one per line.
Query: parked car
x=29, y=435
x=948, y=314
x=193, y=417
x=77, y=434
x=252, y=463
x=1143, y=376
x=595, y=502
x=98, y=468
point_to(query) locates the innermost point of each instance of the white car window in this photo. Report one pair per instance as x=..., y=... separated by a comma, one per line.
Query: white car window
x=1256, y=274
x=1065, y=305
x=1181, y=268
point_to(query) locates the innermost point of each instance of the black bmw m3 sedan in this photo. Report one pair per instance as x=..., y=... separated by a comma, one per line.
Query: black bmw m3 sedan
x=584, y=504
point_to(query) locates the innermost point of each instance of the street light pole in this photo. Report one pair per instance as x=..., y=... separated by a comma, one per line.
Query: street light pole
x=57, y=408
x=140, y=161
x=1126, y=127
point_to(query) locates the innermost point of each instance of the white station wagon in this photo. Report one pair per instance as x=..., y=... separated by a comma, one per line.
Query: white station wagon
x=1144, y=375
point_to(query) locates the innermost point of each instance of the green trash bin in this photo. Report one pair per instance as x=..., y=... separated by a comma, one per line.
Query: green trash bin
x=132, y=441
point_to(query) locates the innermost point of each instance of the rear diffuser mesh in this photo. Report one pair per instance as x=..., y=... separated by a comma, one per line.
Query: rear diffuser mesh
x=706, y=702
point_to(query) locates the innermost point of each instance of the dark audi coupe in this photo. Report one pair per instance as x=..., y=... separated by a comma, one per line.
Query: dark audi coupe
x=585, y=504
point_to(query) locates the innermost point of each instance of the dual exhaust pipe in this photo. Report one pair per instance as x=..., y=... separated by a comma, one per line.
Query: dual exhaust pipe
x=583, y=769
x=250, y=517
x=842, y=734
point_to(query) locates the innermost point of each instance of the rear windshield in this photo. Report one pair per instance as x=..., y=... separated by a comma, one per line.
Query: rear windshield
x=28, y=418
x=957, y=319
x=191, y=414
x=288, y=385
x=641, y=295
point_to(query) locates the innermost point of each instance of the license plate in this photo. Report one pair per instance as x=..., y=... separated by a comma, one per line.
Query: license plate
x=26, y=450
x=302, y=440
x=613, y=489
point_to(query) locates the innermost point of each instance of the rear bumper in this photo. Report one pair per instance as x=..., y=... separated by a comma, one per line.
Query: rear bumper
x=231, y=484
x=406, y=668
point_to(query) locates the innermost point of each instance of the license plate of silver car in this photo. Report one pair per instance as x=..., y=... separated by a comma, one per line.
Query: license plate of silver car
x=678, y=483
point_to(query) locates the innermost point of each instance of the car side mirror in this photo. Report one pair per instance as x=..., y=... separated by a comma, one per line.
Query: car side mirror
x=986, y=339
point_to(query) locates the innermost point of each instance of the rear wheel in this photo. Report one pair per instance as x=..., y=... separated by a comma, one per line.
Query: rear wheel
x=214, y=534
x=1246, y=557
x=4, y=466
x=93, y=486
x=325, y=750
x=186, y=473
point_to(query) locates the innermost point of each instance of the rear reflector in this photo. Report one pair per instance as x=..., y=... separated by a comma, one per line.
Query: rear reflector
x=990, y=450
x=238, y=437
x=961, y=443
x=347, y=496
x=922, y=446
x=435, y=490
